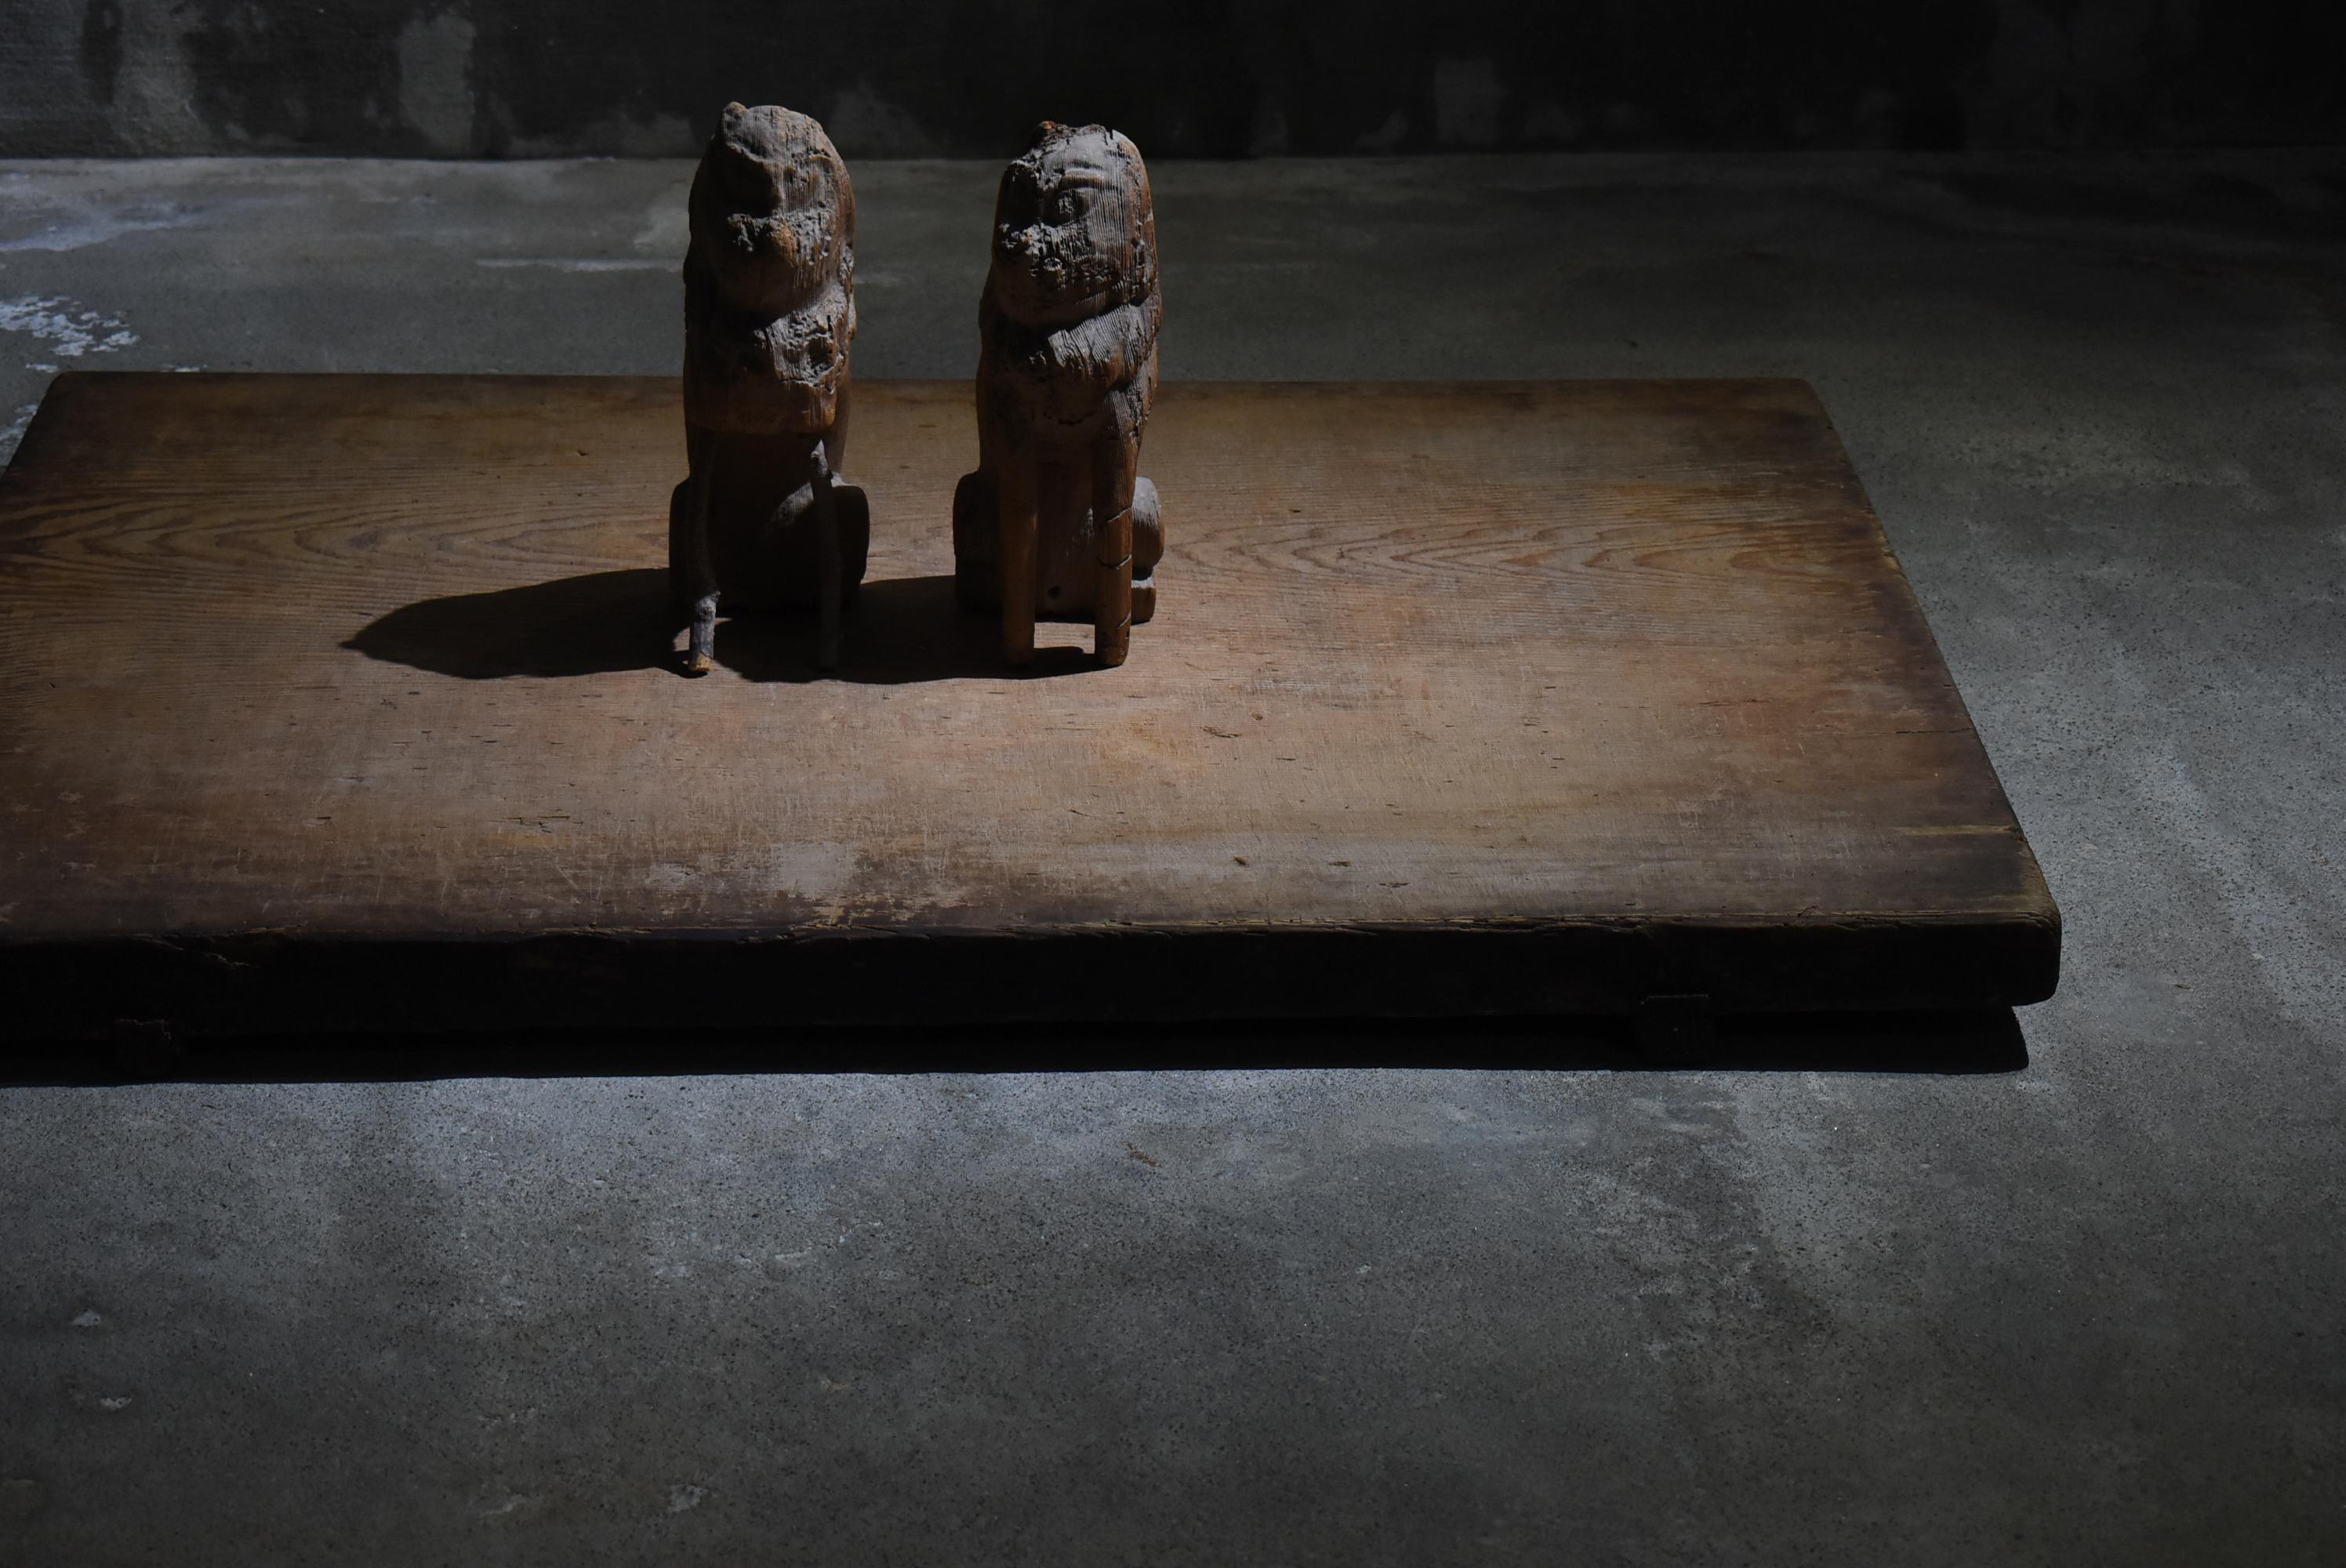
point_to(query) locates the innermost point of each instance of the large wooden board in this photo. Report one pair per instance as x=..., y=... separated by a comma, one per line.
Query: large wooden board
x=348, y=700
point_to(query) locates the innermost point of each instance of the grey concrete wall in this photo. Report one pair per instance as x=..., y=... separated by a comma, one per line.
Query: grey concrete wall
x=964, y=77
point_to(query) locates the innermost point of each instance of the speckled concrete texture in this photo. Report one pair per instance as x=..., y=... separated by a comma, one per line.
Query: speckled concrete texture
x=1408, y=1301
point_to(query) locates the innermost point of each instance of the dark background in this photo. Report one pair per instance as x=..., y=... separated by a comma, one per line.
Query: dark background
x=964, y=77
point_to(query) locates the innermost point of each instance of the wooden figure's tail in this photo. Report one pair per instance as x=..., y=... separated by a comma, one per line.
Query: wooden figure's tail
x=1115, y=465
x=831, y=587
x=1015, y=518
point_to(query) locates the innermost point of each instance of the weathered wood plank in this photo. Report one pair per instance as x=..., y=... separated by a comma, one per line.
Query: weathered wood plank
x=1572, y=692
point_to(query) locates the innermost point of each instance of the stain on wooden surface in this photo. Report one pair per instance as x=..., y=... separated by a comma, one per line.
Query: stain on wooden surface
x=1620, y=676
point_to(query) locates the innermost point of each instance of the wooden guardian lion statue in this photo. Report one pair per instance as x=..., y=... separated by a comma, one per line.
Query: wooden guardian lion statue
x=762, y=520
x=1056, y=524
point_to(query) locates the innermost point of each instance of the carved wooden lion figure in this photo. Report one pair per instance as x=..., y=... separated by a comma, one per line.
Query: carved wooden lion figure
x=768, y=313
x=1056, y=523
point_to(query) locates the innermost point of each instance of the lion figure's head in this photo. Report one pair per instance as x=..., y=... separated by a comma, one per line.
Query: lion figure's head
x=1073, y=231
x=772, y=212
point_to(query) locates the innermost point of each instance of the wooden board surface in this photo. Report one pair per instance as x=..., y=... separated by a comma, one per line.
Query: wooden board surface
x=348, y=698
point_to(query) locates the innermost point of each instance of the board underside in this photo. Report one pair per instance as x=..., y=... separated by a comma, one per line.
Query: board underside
x=348, y=702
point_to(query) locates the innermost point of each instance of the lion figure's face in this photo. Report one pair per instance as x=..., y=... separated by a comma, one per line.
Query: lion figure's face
x=1074, y=233
x=771, y=210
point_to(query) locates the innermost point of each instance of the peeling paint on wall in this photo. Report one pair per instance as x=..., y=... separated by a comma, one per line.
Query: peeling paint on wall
x=70, y=330
x=581, y=263
x=63, y=221
x=1467, y=99
x=435, y=88
x=12, y=435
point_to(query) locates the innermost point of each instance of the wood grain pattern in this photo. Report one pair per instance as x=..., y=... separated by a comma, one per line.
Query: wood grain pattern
x=349, y=698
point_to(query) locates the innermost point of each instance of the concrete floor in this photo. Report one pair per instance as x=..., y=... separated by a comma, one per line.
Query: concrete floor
x=2086, y=1309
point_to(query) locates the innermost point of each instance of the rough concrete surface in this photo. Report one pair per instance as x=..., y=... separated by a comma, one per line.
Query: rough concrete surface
x=1420, y=1298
